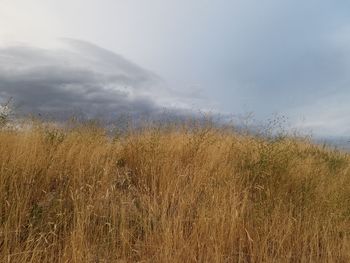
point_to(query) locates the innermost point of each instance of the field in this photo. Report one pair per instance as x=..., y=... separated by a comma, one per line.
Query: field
x=170, y=194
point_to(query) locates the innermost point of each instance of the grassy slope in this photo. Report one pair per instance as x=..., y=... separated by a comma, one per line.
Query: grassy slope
x=170, y=195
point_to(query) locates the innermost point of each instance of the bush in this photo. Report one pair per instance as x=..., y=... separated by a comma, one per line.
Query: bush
x=5, y=112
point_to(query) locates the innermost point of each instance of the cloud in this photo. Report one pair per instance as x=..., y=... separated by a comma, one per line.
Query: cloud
x=327, y=117
x=272, y=56
x=285, y=55
x=78, y=77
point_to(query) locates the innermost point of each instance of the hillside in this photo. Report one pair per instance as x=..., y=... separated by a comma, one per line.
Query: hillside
x=170, y=194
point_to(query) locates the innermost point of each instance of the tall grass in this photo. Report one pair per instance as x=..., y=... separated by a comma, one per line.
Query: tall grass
x=170, y=195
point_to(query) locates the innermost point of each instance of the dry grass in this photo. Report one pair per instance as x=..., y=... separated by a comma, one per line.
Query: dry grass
x=170, y=195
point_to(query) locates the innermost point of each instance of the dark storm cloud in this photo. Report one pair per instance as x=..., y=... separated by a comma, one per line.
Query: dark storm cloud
x=80, y=78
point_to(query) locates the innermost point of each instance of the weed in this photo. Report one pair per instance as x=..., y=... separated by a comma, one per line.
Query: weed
x=179, y=194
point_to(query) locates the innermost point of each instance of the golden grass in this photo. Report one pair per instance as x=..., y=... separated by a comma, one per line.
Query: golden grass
x=170, y=195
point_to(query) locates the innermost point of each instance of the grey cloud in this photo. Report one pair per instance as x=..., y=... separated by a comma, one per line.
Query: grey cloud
x=80, y=78
x=275, y=57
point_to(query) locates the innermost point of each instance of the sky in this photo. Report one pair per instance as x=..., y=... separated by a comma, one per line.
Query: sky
x=290, y=58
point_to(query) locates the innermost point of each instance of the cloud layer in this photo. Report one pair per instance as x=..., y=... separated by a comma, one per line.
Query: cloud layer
x=78, y=78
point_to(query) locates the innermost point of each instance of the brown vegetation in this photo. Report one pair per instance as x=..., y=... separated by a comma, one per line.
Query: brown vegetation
x=170, y=195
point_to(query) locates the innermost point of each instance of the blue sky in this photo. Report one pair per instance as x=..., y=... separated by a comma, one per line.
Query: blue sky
x=286, y=57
